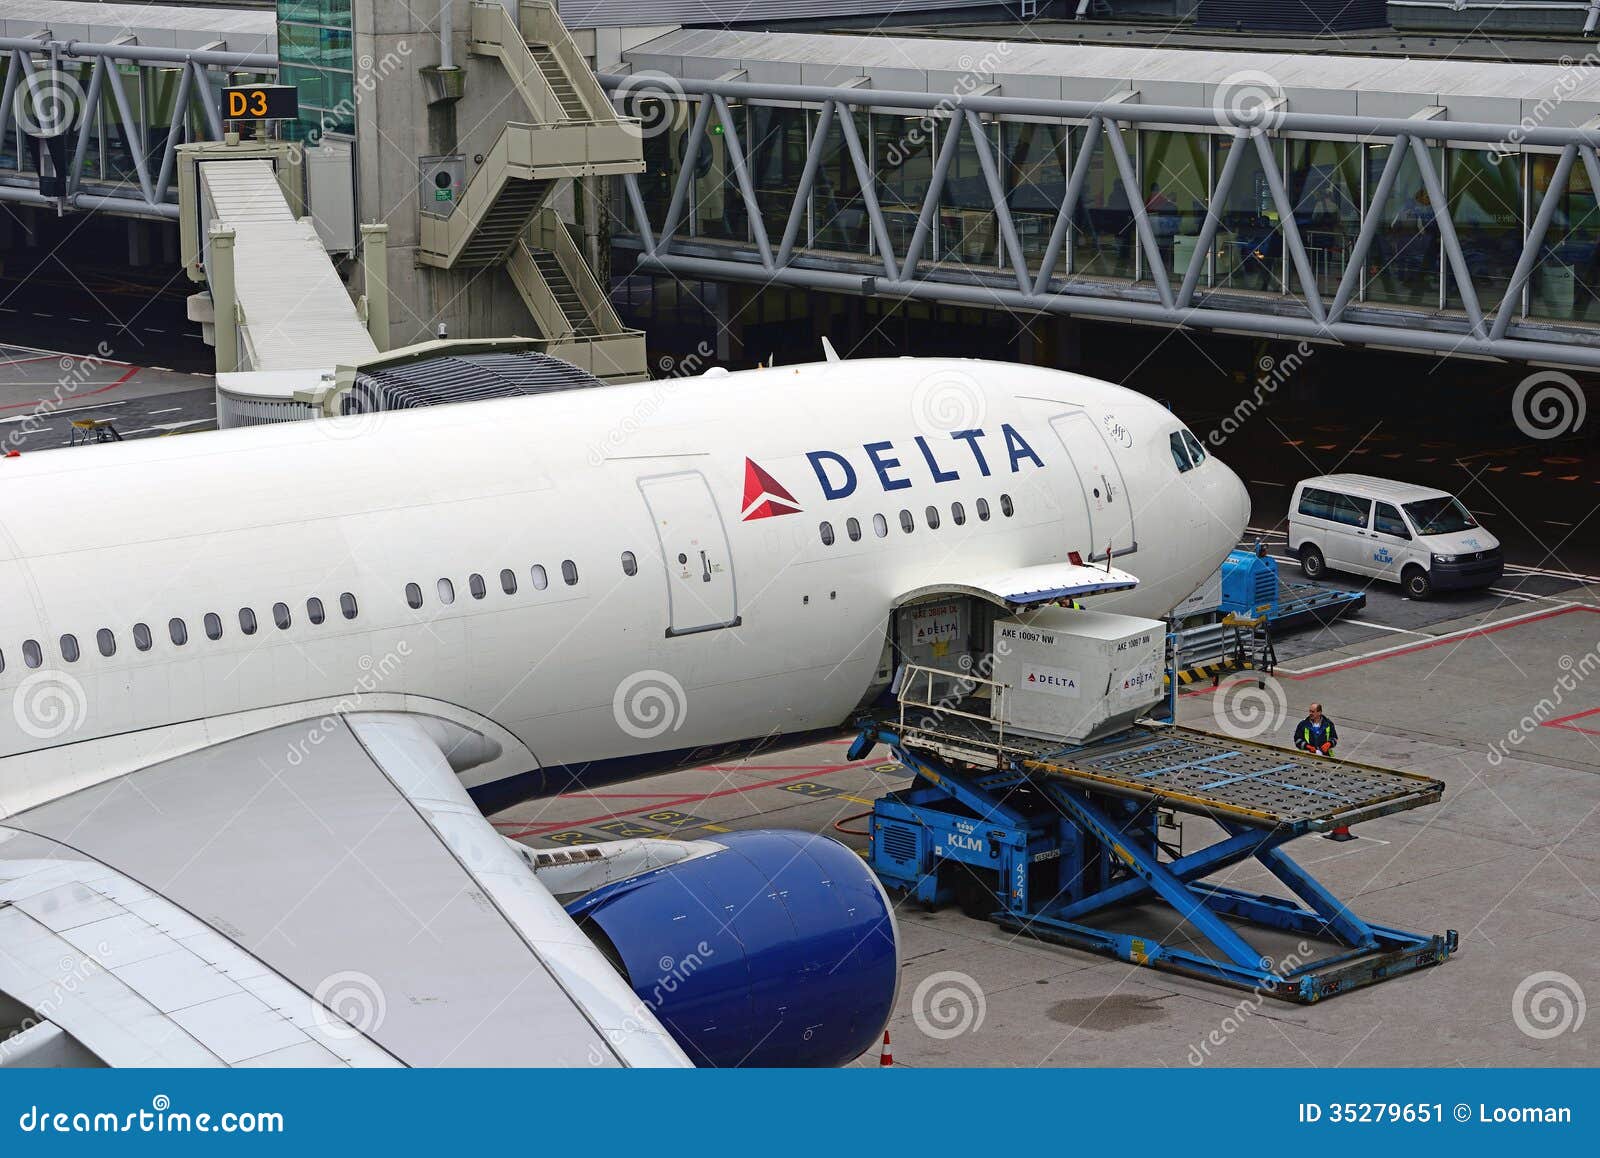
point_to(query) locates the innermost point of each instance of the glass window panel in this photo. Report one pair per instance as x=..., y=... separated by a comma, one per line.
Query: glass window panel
x=1103, y=236
x=1249, y=250
x=1324, y=182
x=1403, y=264
x=1564, y=280
x=1175, y=195
x=903, y=152
x=838, y=214
x=968, y=229
x=1485, y=195
x=718, y=206
x=1035, y=170
x=777, y=155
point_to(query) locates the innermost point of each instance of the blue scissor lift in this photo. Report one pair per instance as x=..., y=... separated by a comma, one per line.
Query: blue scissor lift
x=1064, y=843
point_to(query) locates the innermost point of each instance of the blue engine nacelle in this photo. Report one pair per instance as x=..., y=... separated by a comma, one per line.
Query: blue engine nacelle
x=778, y=950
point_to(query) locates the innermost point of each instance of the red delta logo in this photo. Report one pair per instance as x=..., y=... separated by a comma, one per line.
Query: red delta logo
x=765, y=496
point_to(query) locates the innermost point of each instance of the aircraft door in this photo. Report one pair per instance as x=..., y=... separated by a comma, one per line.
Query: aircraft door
x=1105, y=498
x=694, y=549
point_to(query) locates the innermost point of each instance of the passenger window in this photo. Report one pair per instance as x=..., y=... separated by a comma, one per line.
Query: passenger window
x=852, y=527
x=508, y=581
x=280, y=616
x=247, y=620
x=142, y=639
x=347, y=605
x=476, y=585
x=213, y=624
x=958, y=514
x=827, y=534
x=983, y=510
x=413, y=596
x=569, y=572
x=105, y=638
x=630, y=564
x=2, y=661
x=1335, y=507
x=907, y=523
x=880, y=526
x=447, y=591
x=32, y=653
x=178, y=632
x=1180, y=453
x=1006, y=508
x=540, y=579
x=1196, y=451
x=69, y=648
x=314, y=611
x=932, y=515
x=1386, y=520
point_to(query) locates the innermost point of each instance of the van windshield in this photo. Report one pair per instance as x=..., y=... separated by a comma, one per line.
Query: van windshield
x=1441, y=516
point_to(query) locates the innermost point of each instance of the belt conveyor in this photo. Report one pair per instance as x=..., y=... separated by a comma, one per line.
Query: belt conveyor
x=1054, y=840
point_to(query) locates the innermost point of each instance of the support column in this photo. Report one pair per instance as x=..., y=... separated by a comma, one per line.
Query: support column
x=224, y=300
x=375, y=281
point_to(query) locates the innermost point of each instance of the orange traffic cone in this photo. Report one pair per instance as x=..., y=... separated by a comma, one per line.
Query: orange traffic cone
x=1340, y=833
x=886, y=1058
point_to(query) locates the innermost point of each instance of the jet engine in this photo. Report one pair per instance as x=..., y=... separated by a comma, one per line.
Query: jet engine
x=777, y=948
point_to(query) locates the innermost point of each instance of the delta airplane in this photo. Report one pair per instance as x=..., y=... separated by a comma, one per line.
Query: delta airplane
x=265, y=683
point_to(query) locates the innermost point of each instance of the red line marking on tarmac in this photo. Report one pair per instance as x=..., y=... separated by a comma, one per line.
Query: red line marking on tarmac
x=1362, y=661
x=559, y=826
x=76, y=394
x=1566, y=722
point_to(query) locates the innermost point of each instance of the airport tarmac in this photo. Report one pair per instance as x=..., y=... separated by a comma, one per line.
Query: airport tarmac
x=43, y=392
x=1510, y=858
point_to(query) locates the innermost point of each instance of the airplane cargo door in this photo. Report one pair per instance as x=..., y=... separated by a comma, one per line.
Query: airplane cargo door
x=694, y=548
x=1105, y=498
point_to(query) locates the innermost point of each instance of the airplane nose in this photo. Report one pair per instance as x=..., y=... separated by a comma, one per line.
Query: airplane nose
x=1233, y=500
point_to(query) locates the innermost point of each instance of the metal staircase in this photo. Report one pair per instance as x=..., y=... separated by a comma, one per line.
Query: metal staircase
x=501, y=219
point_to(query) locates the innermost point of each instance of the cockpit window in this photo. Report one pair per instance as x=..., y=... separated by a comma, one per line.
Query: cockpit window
x=1196, y=451
x=1180, y=453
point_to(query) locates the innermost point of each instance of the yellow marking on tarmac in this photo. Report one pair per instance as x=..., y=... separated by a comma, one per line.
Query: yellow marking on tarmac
x=855, y=799
x=715, y=828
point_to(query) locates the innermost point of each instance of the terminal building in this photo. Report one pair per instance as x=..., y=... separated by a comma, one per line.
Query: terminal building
x=743, y=179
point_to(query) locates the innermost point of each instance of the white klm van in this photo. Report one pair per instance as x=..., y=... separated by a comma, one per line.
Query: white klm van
x=1421, y=538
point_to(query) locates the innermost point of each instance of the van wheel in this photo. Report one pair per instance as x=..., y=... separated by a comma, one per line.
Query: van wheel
x=1417, y=583
x=1312, y=564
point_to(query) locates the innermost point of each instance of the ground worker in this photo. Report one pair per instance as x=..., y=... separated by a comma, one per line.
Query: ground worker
x=1316, y=732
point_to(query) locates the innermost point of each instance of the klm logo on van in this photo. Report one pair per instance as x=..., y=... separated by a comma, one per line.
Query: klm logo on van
x=1382, y=555
x=966, y=450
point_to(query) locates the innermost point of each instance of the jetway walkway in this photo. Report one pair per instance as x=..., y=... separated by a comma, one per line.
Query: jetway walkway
x=501, y=216
x=292, y=311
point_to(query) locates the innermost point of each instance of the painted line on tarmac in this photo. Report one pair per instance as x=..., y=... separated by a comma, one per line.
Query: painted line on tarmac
x=1565, y=722
x=45, y=402
x=525, y=829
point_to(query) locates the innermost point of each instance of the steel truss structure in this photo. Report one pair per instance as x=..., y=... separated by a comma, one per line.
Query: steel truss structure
x=1016, y=287
x=40, y=61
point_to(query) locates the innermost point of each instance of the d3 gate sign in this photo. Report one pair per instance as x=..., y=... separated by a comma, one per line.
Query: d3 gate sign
x=266, y=102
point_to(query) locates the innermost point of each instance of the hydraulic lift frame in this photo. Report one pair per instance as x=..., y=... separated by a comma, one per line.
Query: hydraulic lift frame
x=1092, y=811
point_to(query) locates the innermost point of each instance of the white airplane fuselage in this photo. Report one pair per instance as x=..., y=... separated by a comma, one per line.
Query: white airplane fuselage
x=691, y=602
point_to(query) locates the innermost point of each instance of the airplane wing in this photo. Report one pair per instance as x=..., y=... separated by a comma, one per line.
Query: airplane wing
x=1026, y=586
x=319, y=893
